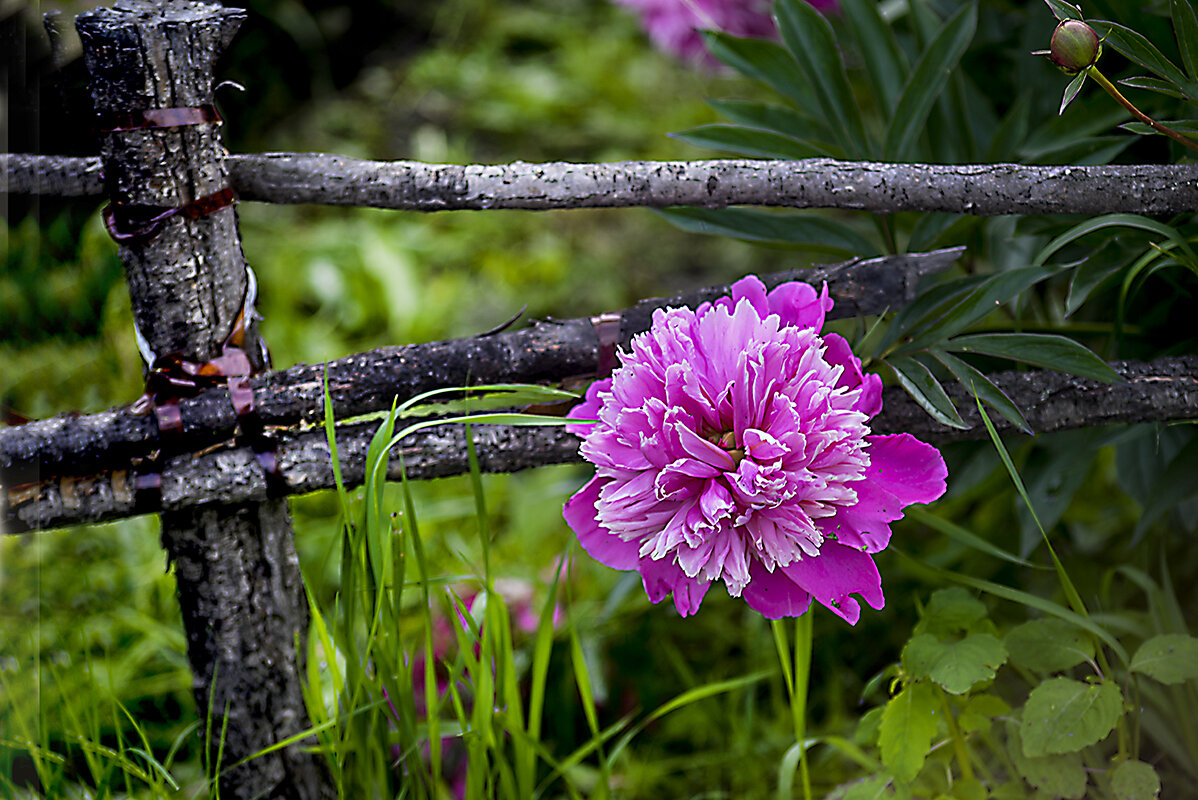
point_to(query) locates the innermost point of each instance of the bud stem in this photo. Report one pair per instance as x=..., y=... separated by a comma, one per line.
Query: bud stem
x=1102, y=81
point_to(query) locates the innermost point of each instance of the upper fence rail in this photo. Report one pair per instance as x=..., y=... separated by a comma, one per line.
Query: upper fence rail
x=976, y=189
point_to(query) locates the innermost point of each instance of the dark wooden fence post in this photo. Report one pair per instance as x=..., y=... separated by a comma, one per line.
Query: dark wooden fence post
x=238, y=577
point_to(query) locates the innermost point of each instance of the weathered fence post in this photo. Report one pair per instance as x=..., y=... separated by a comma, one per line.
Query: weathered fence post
x=238, y=577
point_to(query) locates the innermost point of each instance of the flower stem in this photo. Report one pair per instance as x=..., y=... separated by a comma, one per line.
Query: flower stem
x=958, y=740
x=1102, y=81
x=798, y=703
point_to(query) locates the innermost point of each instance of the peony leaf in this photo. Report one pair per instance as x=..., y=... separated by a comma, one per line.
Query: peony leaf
x=1086, y=278
x=808, y=36
x=1064, y=716
x=769, y=63
x=1048, y=645
x=1135, y=47
x=1113, y=221
x=1071, y=90
x=1056, y=775
x=884, y=60
x=1185, y=26
x=928, y=80
x=918, y=381
x=769, y=117
x=908, y=725
x=749, y=142
x=762, y=226
x=1063, y=11
x=1135, y=780
x=1176, y=484
x=1169, y=658
x=1041, y=349
x=1151, y=85
x=983, y=387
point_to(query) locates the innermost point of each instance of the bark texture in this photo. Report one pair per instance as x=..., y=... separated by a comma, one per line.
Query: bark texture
x=366, y=382
x=979, y=189
x=238, y=576
x=1155, y=391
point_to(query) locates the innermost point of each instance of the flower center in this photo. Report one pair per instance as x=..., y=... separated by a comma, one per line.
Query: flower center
x=726, y=440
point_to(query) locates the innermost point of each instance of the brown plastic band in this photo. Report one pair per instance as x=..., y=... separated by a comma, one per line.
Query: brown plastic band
x=607, y=328
x=169, y=418
x=147, y=489
x=150, y=118
x=130, y=224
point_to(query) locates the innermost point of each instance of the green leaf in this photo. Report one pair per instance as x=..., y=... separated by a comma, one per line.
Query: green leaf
x=809, y=38
x=884, y=61
x=1041, y=349
x=921, y=384
x=770, y=63
x=950, y=611
x=1063, y=11
x=1169, y=658
x=1185, y=27
x=1048, y=645
x=1135, y=47
x=980, y=302
x=1135, y=780
x=779, y=119
x=1074, y=86
x=1064, y=716
x=1153, y=85
x=956, y=666
x=959, y=534
x=749, y=142
x=930, y=227
x=977, y=383
x=1187, y=126
x=1086, y=278
x=1112, y=221
x=1177, y=483
x=979, y=711
x=928, y=80
x=928, y=307
x=763, y=226
x=908, y=725
x=1055, y=775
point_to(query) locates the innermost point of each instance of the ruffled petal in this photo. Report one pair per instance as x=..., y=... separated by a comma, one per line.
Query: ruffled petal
x=665, y=577
x=869, y=402
x=773, y=594
x=798, y=305
x=835, y=574
x=589, y=407
x=602, y=545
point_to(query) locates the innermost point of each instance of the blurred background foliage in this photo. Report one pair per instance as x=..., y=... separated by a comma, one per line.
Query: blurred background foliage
x=91, y=612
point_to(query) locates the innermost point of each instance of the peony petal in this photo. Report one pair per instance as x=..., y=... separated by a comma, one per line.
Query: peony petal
x=869, y=402
x=835, y=574
x=602, y=545
x=773, y=594
x=907, y=468
x=664, y=577
x=748, y=288
x=588, y=408
x=798, y=305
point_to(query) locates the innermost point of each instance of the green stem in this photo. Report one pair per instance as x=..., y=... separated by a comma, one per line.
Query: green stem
x=958, y=740
x=798, y=703
x=1102, y=81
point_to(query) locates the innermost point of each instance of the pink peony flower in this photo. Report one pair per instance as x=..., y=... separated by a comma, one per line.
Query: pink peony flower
x=674, y=25
x=733, y=444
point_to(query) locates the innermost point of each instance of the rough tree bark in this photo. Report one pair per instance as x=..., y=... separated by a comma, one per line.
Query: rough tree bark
x=365, y=382
x=979, y=189
x=238, y=577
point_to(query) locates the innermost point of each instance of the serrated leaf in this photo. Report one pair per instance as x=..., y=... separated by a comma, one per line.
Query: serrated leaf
x=762, y=226
x=808, y=36
x=767, y=62
x=928, y=80
x=775, y=118
x=1185, y=27
x=955, y=665
x=1064, y=716
x=921, y=384
x=1042, y=349
x=1048, y=645
x=1177, y=483
x=749, y=142
x=1063, y=11
x=1056, y=775
x=949, y=611
x=979, y=711
x=908, y=725
x=884, y=60
x=1071, y=89
x=977, y=383
x=1169, y=658
x=1135, y=780
x=1136, y=48
x=1153, y=85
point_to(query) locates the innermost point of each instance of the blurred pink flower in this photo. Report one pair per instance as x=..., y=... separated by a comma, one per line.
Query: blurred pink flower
x=733, y=444
x=674, y=25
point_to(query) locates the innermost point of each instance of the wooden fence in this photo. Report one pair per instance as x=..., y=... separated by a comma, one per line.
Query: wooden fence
x=221, y=442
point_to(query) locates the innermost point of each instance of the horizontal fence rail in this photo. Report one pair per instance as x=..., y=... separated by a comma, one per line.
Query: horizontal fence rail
x=370, y=382
x=1161, y=390
x=977, y=189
